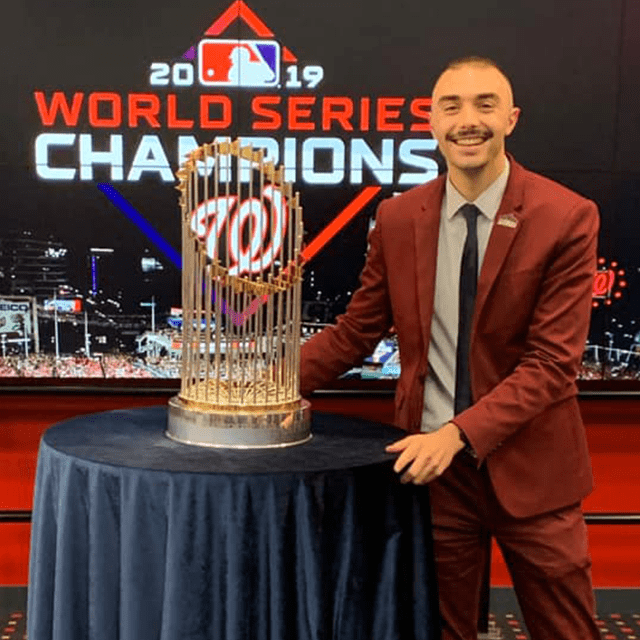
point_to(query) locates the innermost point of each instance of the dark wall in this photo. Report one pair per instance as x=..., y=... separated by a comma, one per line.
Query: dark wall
x=574, y=66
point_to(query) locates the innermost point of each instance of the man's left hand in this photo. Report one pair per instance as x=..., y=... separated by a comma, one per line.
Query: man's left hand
x=431, y=453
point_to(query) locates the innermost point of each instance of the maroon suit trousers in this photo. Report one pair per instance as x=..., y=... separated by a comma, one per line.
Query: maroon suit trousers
x=547, y=556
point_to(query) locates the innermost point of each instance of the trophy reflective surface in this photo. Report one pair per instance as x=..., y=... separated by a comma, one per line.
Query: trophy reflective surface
x=241, y=298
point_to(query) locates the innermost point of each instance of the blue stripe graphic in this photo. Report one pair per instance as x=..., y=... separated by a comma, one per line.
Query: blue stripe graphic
x=121, y=203
x=127, y=208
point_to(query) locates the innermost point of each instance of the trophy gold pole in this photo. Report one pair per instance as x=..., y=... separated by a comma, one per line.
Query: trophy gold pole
x=240, y=303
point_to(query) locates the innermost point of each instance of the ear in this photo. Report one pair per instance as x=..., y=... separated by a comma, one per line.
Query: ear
x=513, y=119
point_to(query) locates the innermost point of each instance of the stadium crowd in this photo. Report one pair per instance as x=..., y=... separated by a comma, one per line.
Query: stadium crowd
x=48, y=366
x=129, y=366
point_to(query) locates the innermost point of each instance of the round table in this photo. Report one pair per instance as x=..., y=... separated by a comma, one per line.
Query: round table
x=138, y=537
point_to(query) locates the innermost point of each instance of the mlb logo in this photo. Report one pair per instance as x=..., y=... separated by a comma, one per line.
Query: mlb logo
x=239, y=63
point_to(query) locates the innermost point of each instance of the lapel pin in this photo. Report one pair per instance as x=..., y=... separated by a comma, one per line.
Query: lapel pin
x=508, y=220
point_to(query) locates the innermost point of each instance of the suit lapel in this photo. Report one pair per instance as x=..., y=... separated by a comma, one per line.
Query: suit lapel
x=506, y=225
x=427, y=229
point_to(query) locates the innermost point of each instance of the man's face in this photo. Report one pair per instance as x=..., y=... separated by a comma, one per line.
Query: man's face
x=471, y=114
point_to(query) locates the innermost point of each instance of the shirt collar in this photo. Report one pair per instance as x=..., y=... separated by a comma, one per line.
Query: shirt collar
x=488, y=201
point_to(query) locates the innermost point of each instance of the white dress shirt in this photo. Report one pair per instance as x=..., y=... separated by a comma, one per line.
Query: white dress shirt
x=440, y=384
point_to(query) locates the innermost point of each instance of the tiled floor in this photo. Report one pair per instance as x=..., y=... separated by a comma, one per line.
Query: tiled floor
x=13, y=604
x=618, y=614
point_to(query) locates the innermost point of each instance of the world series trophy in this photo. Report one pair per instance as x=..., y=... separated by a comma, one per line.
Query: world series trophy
x=241, y=298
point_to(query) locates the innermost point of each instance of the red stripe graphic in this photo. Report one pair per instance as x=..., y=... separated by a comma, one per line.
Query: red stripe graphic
x=339, y=222
x=237, y=10
x=331, y=230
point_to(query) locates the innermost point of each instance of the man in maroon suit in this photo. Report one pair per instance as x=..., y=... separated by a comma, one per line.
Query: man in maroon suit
x=487, y=274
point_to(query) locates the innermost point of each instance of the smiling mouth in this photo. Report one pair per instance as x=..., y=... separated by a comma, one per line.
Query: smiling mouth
x=470, y=142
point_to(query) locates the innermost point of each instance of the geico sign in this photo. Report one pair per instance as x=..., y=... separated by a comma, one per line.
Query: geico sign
x=210, y=217
x=12, y=306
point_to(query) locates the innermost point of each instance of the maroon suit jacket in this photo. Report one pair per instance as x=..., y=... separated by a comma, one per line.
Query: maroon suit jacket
x=530, y=324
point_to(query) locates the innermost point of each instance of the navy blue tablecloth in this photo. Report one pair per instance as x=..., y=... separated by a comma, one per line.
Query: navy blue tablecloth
x=137, y=537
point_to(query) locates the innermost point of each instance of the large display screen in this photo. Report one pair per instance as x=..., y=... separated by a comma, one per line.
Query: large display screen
x=101, y=104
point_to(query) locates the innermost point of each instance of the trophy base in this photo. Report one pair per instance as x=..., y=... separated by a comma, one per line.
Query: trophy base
x=238, y=429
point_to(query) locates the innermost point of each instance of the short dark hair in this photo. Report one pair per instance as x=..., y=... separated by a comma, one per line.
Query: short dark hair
x=478, y=61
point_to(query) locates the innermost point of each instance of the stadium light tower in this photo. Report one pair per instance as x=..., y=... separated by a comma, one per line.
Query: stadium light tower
x=87, y=344
x=95, y=253
x=55, y=323
x=151, y=304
